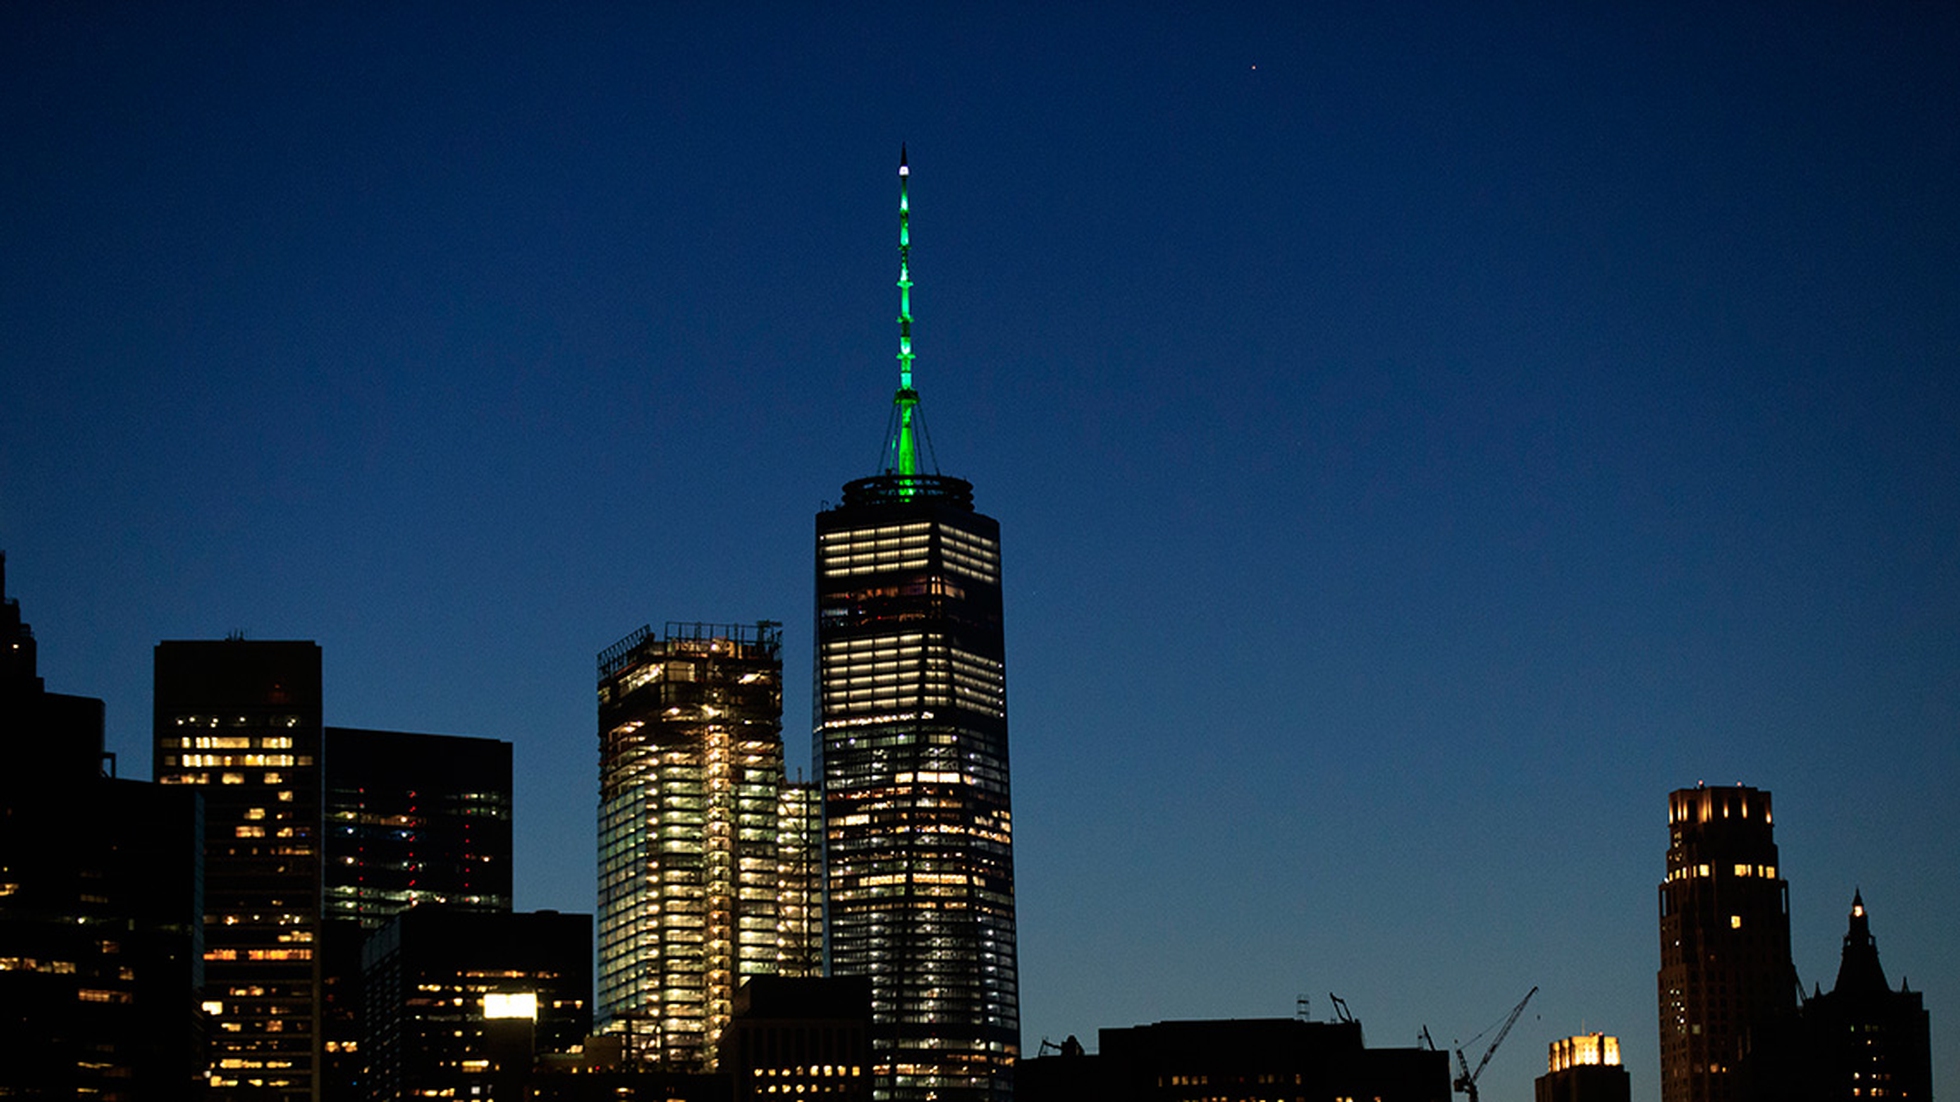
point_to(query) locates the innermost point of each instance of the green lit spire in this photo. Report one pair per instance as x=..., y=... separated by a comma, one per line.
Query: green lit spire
x=902, y=441
x=907, y=471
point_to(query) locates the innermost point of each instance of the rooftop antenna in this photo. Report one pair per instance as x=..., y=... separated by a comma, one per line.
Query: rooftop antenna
x=907, y=427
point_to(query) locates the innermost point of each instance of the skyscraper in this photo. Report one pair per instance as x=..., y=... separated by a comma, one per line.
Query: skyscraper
x=240, y=722
x=911, y=746
x=1726, y=976
x=704, y=850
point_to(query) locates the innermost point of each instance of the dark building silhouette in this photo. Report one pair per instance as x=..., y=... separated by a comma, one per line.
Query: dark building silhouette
x=1237, y=1060
x=459, y=1003
x=1726, y=980
x=1585, y=1068
x=805, y=1037
x=1865, y=1039
x=1068, y=1072
x=912, y=749
x=707, y=856
x=607, y=1072
x=99, y=902
x=415, y=818
x=409, y=819
x=239, y=723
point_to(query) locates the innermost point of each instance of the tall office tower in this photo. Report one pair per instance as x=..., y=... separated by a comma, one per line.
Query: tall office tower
x=99, y=902
x=409, y=819
x=1865, y=1039
x=699, y=864
x=240, y=722
x=1725, y=979
x=911, y=745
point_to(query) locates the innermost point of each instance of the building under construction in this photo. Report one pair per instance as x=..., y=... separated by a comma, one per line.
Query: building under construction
x=707, y=856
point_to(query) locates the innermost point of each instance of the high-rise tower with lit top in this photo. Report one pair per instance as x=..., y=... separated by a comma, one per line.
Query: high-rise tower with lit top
x=911, y=746
x=1726, y=979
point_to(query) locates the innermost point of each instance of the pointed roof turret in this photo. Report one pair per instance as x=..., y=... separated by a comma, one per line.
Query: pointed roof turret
x=1859, y=972
x=19, y=671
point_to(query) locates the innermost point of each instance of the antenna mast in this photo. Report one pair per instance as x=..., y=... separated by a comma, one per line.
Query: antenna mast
x=902, y=454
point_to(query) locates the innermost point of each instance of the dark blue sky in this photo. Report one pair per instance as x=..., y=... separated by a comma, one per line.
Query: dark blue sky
x=1421, y=439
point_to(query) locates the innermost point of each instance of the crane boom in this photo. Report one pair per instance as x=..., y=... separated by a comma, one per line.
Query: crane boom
x=1508, y=1023
x=1466, y=1080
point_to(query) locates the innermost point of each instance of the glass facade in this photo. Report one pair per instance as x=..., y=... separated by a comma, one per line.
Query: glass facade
x=706, y=852
x=911, y=746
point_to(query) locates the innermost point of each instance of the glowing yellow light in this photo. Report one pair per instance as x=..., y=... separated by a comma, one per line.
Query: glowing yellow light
x=1587, y=1049
x=520, y=1004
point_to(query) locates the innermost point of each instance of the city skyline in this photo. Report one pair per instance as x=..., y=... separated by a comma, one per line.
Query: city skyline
x=1429, y=439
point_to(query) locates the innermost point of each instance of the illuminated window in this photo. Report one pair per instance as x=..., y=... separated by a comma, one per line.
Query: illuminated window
x=30, y=964
x=521, y=1004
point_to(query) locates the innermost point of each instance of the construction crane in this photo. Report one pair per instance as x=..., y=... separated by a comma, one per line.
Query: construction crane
x=1466, y=1080
x=1341, y=1009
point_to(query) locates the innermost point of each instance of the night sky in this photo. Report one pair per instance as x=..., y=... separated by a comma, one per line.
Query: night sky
x=1421, y=439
